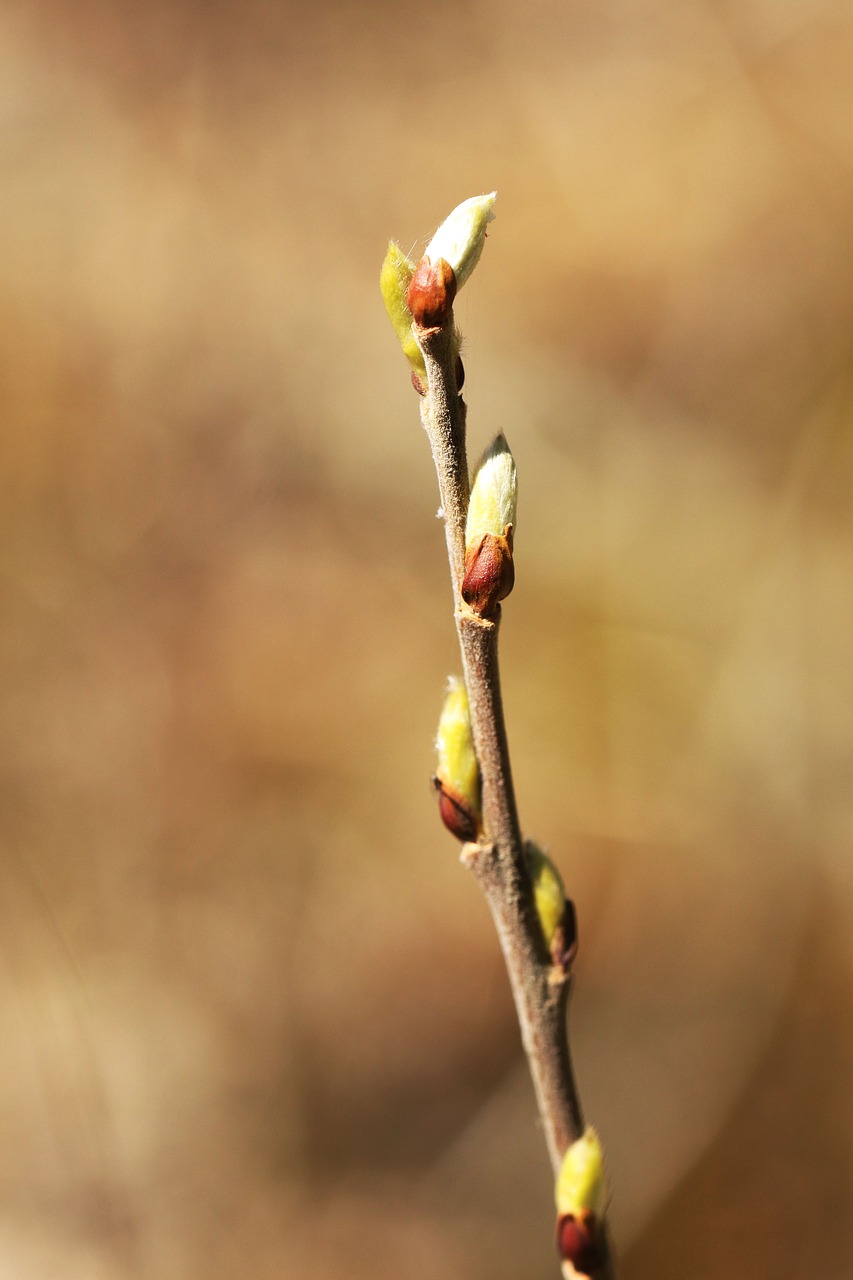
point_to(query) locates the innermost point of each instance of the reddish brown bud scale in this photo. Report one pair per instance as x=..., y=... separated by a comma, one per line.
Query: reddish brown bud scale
x=430, y=294
x=564, y=948
x=579, y=1242
x=489, y=572
x=455, y=813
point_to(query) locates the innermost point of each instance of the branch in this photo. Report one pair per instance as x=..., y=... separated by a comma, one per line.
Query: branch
x=498, y=860
x=534, y=920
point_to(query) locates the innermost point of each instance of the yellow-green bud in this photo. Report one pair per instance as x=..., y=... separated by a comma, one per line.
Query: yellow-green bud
x=581, y=1194
x=549, y=895
x=394, y=279
x=582, y=1183
x=460, y=238
x=457, y=778
x=494, y=493
x=489, y=528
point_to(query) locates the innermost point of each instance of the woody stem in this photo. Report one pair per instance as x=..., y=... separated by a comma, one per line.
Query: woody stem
x=499, y=862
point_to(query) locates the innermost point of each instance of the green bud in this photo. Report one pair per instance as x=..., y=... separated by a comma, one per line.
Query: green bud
x=394, y=279
x=548, y=893
x=457, y=778
x=460, y=238
x=581, y=1183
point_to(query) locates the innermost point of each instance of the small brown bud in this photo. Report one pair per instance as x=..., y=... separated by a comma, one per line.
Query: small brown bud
x=455, y=812
x=431, y=291
x=489, y=572
x=579, y=1241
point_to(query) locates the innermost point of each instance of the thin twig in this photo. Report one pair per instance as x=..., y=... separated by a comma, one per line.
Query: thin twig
x=540, y=987
x=443, y=414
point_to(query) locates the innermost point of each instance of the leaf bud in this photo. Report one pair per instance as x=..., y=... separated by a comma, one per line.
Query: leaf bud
x=582, y=1183
x=489, y=570
x=460, y=238
x=549, y=895
x=394, y=279
x=457, y=776
x=581, y=1195
x=431, y=291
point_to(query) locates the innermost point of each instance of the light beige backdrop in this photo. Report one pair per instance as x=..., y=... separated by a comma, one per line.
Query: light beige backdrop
x=253, y=1021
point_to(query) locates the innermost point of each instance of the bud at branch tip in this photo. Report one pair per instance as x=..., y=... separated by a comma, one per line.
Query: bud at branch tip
x=460, y=238
x=450, y=257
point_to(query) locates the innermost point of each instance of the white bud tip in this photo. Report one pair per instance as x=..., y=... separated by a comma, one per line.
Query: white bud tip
x=494, y=493
x=460, y=238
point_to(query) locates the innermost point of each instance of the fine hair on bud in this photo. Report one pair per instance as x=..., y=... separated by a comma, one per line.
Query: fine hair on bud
x=457, y=775
x=494, y=493
x=394, y=280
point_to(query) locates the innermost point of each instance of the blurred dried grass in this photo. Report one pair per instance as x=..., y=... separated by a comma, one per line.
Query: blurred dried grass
x=252, y=1019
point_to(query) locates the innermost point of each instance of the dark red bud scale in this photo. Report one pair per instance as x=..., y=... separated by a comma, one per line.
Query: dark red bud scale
x=579, y=1242
x=430, y=294
x=489, y=572
x=564, y=948
x=455, y=813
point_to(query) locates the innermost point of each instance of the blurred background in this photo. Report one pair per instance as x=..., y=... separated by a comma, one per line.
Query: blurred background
x=253, y=1019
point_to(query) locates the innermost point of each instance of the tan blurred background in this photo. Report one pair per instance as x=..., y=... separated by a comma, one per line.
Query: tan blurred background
x=253, y=1021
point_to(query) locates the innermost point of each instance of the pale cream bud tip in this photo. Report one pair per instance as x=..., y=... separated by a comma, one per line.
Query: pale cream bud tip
x=460, y=238
x=494, y=493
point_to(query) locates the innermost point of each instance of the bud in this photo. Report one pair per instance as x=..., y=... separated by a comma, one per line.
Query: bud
x=582, y=1183
x=460, y=238
x=431, y=291
x=450, y=257
x=457, y=777
x=394, y=279
x=581, y=1195
x=494, y=493
x=489, y=570
x=549, y=895
x=579, y=1245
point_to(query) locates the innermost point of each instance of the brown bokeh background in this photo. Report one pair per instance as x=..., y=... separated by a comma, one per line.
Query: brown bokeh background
x=253, y=1021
